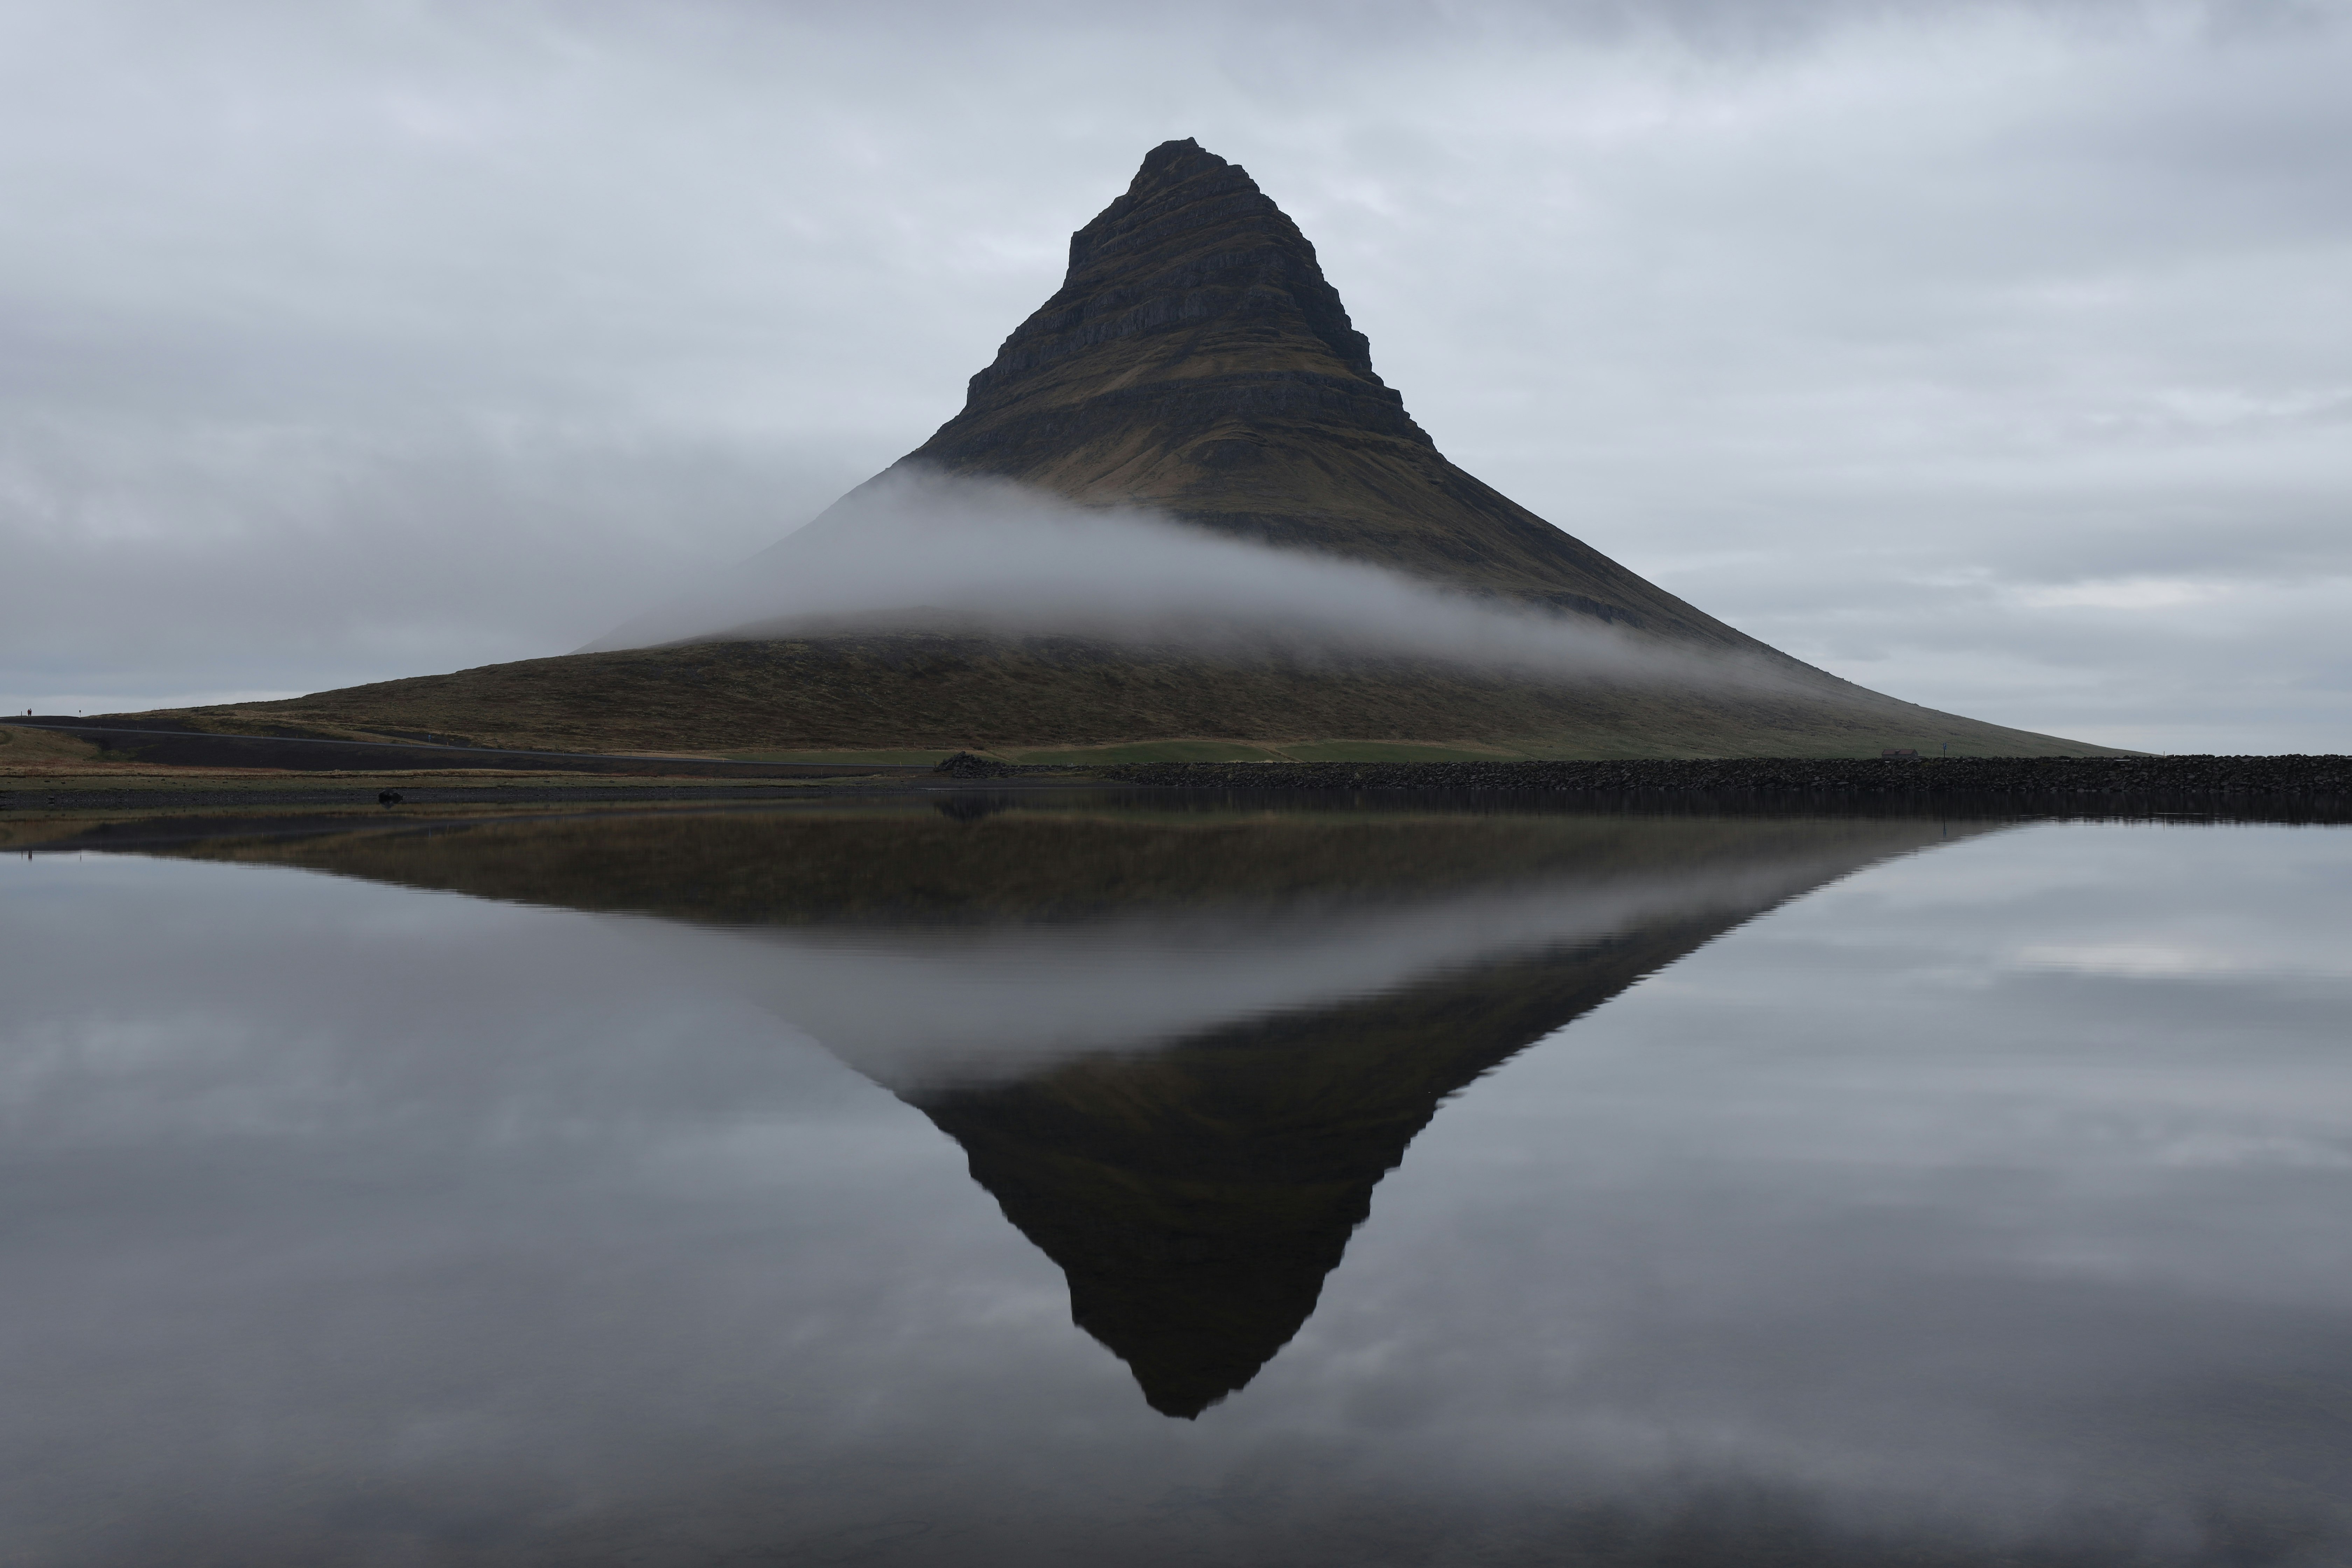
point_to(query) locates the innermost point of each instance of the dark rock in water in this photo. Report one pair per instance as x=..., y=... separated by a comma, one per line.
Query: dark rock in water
x=968, y=765
x=2046, y=783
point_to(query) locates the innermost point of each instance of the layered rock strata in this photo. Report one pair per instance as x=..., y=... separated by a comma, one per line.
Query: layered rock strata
x=1196, y=360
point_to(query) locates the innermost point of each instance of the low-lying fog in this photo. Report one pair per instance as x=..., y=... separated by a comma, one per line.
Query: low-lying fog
x=918, y=549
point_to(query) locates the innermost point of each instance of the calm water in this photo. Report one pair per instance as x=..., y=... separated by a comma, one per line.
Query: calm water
x=952, y=1182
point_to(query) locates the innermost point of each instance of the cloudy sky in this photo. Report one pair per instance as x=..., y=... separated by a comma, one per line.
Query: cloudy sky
x=1997, y=356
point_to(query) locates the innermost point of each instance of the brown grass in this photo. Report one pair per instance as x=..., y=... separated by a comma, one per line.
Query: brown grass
x=1058, y=698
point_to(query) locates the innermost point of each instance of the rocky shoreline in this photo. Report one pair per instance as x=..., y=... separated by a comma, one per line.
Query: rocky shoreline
x=2315, y=786
x=2311, y=778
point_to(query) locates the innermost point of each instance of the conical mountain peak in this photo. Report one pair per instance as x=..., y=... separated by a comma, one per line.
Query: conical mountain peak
x=1196, y=360
x=1192, y=279
x=1196, y=229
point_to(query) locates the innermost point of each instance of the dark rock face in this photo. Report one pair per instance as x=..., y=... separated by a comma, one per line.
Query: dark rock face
x=964, y=765
x=1195, y=359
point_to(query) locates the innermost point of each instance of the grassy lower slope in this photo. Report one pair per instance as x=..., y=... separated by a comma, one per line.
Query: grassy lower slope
x=1066, y=697
x=26, y=749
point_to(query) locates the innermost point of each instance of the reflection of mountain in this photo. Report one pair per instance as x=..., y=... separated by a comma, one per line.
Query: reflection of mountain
x=1196, y=1197
x=1181, y=1048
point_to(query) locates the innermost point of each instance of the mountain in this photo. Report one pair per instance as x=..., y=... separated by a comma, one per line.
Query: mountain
x=1196, y=362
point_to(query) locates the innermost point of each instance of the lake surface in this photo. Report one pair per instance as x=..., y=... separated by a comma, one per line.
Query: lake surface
x=1060, y=1180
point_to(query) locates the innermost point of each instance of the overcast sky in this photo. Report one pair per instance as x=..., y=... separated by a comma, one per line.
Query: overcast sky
x=1997, y=356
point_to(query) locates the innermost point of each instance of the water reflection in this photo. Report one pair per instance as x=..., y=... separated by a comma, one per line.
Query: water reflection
x=1180, y=1049
x=473, y=1202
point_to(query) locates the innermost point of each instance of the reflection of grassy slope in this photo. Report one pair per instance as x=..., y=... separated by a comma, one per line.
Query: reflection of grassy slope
x=1197, y=1197
x=921, y=866
x=923, y=690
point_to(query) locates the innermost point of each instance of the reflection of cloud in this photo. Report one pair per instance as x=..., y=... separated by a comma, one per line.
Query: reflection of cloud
x=2132, y=961
x=2160, y=961
x=913, y=1009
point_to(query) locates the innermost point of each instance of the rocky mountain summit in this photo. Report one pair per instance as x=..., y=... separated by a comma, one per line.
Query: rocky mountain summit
x=1195, y=360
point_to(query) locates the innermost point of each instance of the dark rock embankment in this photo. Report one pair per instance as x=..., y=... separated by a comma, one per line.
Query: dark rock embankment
x=971, y=765
x=2034, y=780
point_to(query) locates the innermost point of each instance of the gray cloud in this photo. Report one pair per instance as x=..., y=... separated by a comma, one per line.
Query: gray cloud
x=1991, y=355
